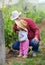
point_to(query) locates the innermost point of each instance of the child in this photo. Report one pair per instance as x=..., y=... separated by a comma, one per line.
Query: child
x=23, y=38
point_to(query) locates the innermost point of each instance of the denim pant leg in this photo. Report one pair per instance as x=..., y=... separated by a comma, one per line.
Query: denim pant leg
x=34, y=45
x=16, y=45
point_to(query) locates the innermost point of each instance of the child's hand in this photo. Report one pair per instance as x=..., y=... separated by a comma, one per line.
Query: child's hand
x=17, y=32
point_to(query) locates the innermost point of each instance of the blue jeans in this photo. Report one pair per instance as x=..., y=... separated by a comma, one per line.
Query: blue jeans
x=16, y=45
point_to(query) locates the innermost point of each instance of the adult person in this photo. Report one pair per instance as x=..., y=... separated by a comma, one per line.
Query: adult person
x=33, y=32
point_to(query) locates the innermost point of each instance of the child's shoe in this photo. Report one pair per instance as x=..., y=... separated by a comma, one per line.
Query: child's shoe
x=19, y=55
x=24, y=56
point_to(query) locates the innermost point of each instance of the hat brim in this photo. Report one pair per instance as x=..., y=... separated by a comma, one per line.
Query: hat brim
x=13, y=18
x=18, y=23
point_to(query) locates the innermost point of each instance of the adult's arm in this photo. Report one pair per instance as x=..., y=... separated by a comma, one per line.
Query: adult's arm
x=15, y=28
x=34, y=27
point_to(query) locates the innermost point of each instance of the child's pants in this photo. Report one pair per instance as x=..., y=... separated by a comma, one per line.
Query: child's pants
x=24, y=46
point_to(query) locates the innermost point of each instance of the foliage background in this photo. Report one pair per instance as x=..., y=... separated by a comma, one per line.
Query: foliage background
x=28, y=10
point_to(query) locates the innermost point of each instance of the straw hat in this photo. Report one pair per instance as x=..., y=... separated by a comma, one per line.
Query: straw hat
x=15, y=15
x=21, y=23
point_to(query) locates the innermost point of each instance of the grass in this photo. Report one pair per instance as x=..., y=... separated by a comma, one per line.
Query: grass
x=16, y=63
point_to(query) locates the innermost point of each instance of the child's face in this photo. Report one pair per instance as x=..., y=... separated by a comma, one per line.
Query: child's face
x=18, y=27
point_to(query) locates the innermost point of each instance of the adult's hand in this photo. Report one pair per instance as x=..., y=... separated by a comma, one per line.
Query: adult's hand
x=36, y=40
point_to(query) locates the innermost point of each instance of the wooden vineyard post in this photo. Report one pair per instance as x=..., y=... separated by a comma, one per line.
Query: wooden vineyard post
x=2, y=41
